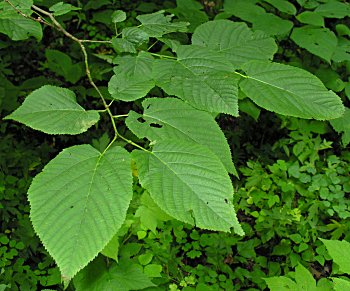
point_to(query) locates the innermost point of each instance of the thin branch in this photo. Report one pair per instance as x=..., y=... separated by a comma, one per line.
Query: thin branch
x=59, y=27
x=97, y=41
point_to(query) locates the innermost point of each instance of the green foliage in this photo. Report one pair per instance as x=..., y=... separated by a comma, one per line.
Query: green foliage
x=85, y=204
x=199, y=70
x=54, y=110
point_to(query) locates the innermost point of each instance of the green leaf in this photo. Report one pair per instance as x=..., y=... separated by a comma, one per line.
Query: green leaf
x=157, y=24
x=249, y=108
x=234, y=41
x=280, y=284
x=283, y=6
x=201, y=77
x=78, y=203
x=169, y=118
x=122, y=45
x=190, y=183
x=272, y=24
x=304, y=278
x=149, y=213
x=310, y=17
x=153, y=270
x=190, y=11
x=118, y=16
x=124, y=276
x=342, y=125
x=54, y=110
x=61, y=8
x=342, y=53
x=303, y=281
x=333, y=9
x=135, y=35
x=340, y=253
x=112, y=248
x=133, y=77
x=246, y=10
x=62, y=65
x=16, y=26
x=319, y=41
x=341, y=284
x=290, y=91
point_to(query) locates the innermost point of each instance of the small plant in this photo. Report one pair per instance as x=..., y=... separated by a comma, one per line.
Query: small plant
x=303, y=280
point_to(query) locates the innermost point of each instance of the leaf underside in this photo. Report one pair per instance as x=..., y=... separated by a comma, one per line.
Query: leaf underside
x=79, y=202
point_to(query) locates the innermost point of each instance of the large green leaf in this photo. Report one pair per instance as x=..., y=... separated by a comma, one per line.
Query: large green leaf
x=78, y=202
x=16, y=26
x=200, y=76
x=340, y=253
x=319, y=41
x=333, y=9
x=235, y=41
x=54, y=110
x=133, y=77
x=157, y=24
x=290, y=91
x=188, y=182
x=123, y=276
x=169, y=118
x=342, y=125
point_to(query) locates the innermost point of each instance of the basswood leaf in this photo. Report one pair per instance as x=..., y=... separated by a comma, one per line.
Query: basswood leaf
x=201, y=77
x=188, y=182
x=170, y=118
x=61, y=8
x=283, y=6
x=157, y=24
x=272, y=24
x=319, y=41
x=310, y=17
x=290, y=91
x=16, y=26
x=78, y=203
x=234, y=41
x=54, y=110
x=123, y=276
x=133, y=77
x=342, y=125
x=333, y=9
x=340, y=253
x=122, y=45
x=118, y=16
